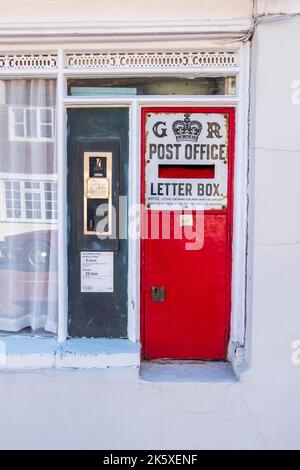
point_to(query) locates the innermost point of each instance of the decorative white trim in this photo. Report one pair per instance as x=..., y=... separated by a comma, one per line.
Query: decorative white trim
x=151, y=60
x=133, y=277
x=14, y=62
x=206, y=60
x=240, y=209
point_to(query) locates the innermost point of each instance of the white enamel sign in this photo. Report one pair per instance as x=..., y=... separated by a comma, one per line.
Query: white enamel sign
x=97, y=271
x=186, y=160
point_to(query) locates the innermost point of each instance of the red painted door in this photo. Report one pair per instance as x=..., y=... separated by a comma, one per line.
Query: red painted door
x=187, y=166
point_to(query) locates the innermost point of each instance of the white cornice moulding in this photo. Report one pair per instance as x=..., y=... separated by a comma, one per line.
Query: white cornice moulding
x=128, y=27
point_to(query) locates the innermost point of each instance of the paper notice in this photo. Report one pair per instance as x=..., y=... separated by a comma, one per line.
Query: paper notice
x=97, y=271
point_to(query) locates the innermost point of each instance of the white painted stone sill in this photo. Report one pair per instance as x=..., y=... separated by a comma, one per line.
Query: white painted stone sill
x=18, y=352
x=28, y=352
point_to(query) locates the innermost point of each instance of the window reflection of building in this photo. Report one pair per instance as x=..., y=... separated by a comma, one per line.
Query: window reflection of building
x=28, y=205
x=31, y=124
x=30, y=200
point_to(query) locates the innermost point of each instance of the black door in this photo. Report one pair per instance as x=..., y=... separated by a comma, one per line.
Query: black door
x=97, y=257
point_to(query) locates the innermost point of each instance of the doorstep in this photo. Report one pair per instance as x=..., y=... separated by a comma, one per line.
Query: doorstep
x=187, y=371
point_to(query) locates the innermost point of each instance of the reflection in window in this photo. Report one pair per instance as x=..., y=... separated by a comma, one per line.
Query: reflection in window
x=31, y=200
x=13, y=199
x=218, y=85
x=46, y=123
x=28, y=207
x=31, y=124
x=32, y=195
x=50, y=201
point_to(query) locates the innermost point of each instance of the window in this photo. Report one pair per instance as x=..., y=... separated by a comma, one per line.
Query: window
x=32, y=194
x=153, y=86
x=31, y=200
x=28, y=194
x=46, y=123
x=13, y=199
x=31, y=124
x=50, y=198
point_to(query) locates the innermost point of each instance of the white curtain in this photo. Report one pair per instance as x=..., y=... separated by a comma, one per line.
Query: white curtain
x=28, y=206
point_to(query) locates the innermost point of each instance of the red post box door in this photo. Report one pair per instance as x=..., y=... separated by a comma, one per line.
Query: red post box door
x=187, y=166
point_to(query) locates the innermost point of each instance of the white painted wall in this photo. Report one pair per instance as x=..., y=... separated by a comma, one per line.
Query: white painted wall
x=115, y=408
x=101, y=10
x=65, y=18
x=276, y=6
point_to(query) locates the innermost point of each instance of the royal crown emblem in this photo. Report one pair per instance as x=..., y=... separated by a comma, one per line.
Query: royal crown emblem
x=186, y=129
